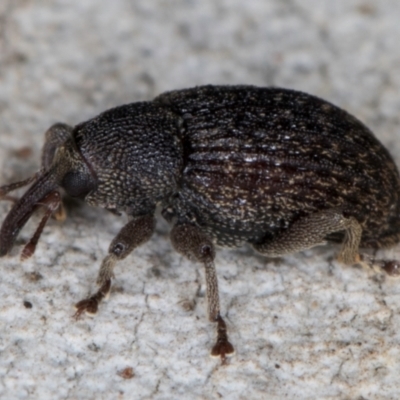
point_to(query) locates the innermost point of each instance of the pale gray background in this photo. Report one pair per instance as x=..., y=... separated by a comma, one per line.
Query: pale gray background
x=304, y=327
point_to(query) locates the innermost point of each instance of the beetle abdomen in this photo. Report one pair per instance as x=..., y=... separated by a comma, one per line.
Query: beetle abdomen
x=257, y=159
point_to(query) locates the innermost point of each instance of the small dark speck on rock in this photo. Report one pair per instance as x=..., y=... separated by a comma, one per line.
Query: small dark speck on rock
x=94, y=347
x=27, y=304
x=118, y=289
x=23, y=153
x=154, y=271
x=34, y=276
x=126, y=373
x=366, y=9
x=188, y=305
x=20, y=58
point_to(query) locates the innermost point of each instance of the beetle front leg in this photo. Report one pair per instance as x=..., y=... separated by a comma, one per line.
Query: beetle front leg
x=132, y=235
x=192, y=243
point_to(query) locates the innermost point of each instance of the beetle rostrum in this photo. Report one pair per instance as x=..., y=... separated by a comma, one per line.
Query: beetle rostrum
x=278, y=169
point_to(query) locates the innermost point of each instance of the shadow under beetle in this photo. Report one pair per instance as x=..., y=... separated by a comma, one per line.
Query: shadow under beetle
x=279, y=169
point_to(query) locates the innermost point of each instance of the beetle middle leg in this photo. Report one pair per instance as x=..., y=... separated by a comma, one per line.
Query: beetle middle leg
x=192, y=243
x=133, y=234
x=311, y=231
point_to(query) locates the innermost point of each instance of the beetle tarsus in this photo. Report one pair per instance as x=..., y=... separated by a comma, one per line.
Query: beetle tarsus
x=222, y=347
x=90, y=305
x=390, y=267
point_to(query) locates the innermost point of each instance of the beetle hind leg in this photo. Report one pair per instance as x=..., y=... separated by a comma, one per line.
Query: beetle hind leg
x=192, y=243
x=311, y=231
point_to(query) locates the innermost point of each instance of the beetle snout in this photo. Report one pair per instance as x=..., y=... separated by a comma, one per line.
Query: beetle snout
x=23, y=210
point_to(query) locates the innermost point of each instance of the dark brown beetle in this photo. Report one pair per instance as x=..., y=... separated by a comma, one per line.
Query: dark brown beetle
x=279, y=169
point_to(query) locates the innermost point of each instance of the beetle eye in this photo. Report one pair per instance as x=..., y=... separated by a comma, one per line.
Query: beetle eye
x=78, y=184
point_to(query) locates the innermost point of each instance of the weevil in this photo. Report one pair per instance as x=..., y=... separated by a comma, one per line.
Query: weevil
x=278, y=169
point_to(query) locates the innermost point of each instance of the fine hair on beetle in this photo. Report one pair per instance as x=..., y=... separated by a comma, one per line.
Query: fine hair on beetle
x=275, y=168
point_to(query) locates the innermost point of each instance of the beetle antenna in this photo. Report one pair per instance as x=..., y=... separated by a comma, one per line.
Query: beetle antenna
x=4, y=190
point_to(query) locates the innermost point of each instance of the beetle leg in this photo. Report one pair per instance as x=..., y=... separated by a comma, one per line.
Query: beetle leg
x=192, y=243
x=132, y=235
x=51, y=202
x=390, y=267
x=311, y=231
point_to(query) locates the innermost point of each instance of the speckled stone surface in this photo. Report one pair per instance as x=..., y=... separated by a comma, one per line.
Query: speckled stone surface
x=304, y=327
